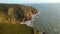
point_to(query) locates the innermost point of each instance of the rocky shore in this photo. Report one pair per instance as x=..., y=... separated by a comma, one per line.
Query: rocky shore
x=17, y=14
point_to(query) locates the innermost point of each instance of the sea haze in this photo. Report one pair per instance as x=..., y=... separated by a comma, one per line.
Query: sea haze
x=49, y=18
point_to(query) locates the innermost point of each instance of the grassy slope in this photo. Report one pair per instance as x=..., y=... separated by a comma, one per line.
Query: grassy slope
x=15, y=29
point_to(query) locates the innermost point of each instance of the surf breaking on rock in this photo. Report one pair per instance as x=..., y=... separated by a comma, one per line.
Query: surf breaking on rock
x=17, y=13
x=30, y=22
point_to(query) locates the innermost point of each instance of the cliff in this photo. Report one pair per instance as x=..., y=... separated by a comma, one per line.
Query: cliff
x=16, y=13
x=13, y=14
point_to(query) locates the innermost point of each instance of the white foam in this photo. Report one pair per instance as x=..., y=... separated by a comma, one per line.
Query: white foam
x=55, y=30
x=30, y=23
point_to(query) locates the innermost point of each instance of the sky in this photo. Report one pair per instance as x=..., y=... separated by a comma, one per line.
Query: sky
x=29, y=1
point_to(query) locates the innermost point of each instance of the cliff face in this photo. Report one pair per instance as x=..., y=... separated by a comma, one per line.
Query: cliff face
x=14, y=13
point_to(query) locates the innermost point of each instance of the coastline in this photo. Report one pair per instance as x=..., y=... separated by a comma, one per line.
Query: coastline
x=10, y=23
x=35, y=30
x=31, y=24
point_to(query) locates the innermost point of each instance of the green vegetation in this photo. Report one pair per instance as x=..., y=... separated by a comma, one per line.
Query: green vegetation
x=15, y=29
x=11, y=15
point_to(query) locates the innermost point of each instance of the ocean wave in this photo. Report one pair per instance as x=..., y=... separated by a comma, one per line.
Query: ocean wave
x=30, y=22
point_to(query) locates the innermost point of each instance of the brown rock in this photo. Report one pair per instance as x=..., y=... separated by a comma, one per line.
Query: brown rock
x=17, y=12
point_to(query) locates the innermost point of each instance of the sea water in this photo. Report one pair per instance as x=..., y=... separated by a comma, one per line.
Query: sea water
x=48, y=20
x=30, y=22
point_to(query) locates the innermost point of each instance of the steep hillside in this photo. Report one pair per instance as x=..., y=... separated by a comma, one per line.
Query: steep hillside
x=16, y=13
x=11, y=15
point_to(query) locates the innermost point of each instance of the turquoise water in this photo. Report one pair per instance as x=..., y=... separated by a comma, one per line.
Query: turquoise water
x=49, y=18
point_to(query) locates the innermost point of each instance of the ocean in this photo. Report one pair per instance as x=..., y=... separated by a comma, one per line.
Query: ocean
x=48, y=20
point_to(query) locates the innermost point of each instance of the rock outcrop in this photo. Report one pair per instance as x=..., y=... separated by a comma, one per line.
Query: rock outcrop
x=15, y=13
